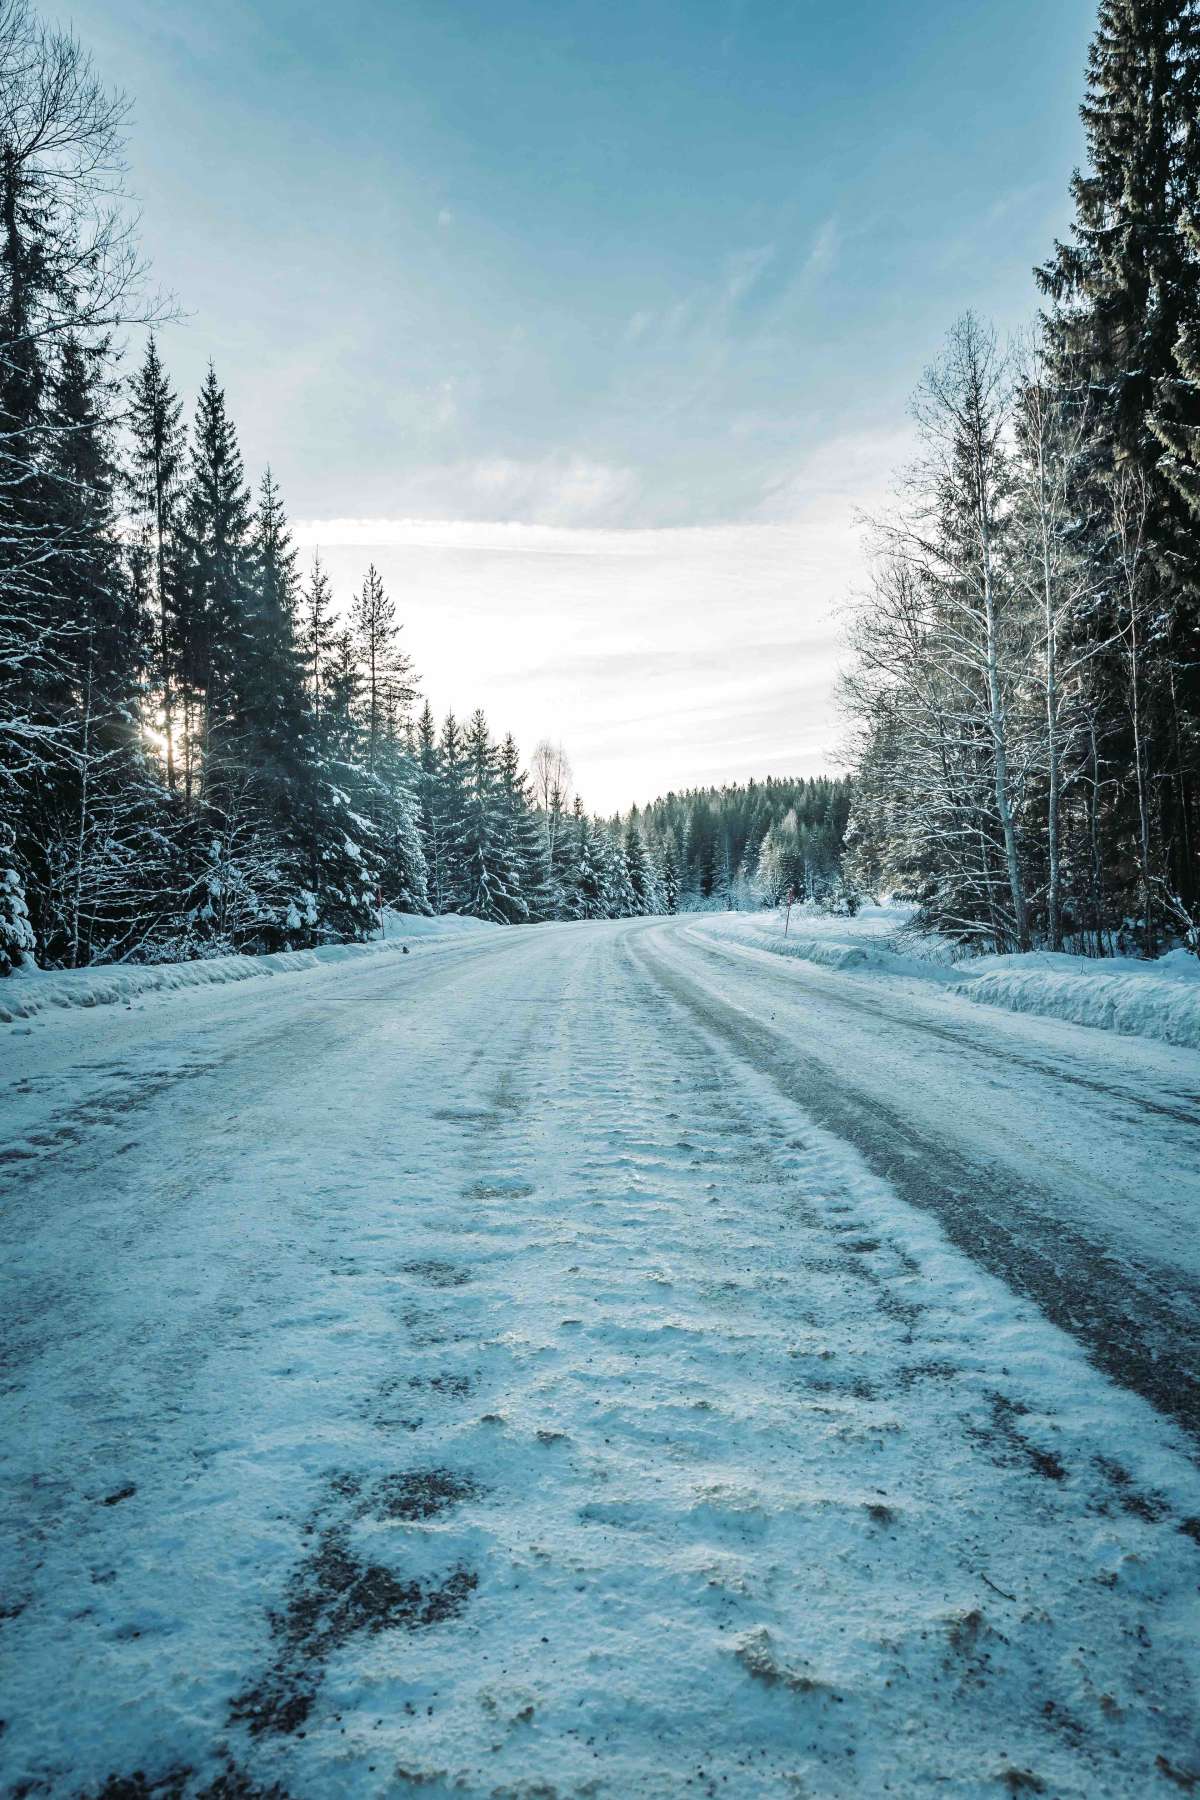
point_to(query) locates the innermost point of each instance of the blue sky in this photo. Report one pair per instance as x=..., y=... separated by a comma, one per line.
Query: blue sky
x=605, y=266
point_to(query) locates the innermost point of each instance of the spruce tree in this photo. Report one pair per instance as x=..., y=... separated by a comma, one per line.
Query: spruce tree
x=345, y=858
x=429, y=810
x=619, y=896
x=585, y=876
x=637, y=864
x=156, y=453
x=1175, y=417
x=404, y=873
x=485, y=843
x=341, y=700
x=591, y=899
x=387, y=690
x=560, y=850
x=1126, y=302
x=527, y=835
x=277, y=728
x=670, y=876
x=269, y=707
x=102, y=822
x=452, y=816
x=17, y=939
x=213, y=623
x=316, y=638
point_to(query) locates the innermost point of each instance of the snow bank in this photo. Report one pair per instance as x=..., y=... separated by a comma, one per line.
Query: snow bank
x=1155, y=1000
x=35, y=991
x=828, y=953
x=1158, y=1000
x=864, y=942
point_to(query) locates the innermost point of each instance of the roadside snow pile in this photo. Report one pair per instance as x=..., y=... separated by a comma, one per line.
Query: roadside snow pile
x=826, y=952
x=866, y=941
x=1137, y=999
x=35, y=991
x=408, y=926
x=1158, y=1000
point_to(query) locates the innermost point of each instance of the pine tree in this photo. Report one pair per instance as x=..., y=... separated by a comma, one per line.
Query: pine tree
x=316, y=638
x=1120, y=285
x=213, y=623
x=526, y=834
x=269, y=707
x=484, y=845
x=585, y=875
x=1126, y=301
x=404, y=873
x=429, y=821
x=452, y=816
x=619, y=895
x=670, y=877
x=1175, y=417
x=100, y=820
x=109, y=629
x=155, y=463
x=641, y=874
x=341, y=701
x=345, y=856
x=560, y=850
x=590, y=899
x=275, y=724
x=388, y=690
x=17, y=939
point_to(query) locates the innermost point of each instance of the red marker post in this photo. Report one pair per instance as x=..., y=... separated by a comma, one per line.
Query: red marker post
x=379, y=904
x=791, y=895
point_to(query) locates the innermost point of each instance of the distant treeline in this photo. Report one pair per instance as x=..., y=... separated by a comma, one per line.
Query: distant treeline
x=746, y=845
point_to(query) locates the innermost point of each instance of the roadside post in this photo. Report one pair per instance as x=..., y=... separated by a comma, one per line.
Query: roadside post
x=382, y=921
x=791, y=895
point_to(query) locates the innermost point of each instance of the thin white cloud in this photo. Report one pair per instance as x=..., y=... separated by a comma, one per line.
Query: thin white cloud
x=843, y=476
x=557, y=490
x=707, y=312
x=661, y=657
x=822, y=258
x=445, y=406
x=746, y=268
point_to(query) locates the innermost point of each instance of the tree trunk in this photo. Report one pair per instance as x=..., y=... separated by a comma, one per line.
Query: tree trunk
x=999, y=730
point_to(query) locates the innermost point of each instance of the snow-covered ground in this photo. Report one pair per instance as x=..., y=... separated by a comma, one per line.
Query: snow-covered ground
x=34, y=990
x=601, y=1361
x=1142, y=999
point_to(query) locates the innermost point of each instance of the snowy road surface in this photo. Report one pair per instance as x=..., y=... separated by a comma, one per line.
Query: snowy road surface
x=596, y=1361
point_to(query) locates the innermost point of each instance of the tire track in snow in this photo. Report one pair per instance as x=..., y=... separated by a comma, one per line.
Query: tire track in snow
x=1138, y=1322
x=753, y=1485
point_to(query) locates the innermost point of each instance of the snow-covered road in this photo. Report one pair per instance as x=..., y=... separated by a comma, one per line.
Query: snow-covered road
x=1064, y=1159
x=596, y=1361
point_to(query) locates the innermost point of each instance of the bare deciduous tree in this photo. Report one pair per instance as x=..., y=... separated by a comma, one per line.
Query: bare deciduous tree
x=552, y=775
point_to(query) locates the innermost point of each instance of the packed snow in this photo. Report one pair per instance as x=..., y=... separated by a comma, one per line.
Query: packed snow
x=474, y=1373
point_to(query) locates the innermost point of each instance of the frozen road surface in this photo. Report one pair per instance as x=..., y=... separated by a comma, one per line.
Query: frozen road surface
x=596, y=1362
